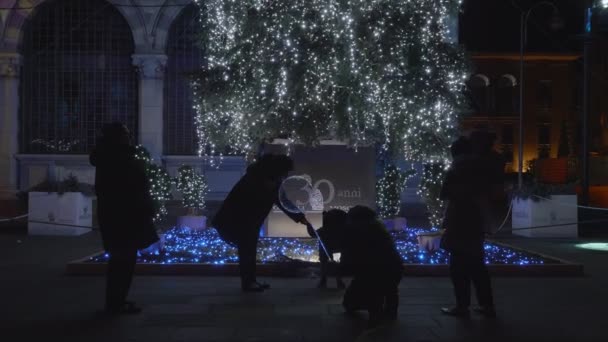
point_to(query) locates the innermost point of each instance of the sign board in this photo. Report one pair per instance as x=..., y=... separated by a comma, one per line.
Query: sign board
x=324, y=178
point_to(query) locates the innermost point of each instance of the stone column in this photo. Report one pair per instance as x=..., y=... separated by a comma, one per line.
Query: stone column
x=10, y=67
x=151, y=70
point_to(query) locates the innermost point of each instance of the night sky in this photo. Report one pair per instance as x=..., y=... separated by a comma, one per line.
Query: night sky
x=494, y=25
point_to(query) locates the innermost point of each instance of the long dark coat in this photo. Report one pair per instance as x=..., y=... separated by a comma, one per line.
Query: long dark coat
x=371, y=258
x=125, y=208
x=369, y=253
x=464, y=187
x=245, y=208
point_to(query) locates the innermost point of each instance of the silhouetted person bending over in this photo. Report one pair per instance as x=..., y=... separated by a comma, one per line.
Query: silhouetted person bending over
x=244, y=210
x=125, y=212
x=463, y=188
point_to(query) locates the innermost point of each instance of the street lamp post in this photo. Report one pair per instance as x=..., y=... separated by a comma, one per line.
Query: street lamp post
x=525, y=15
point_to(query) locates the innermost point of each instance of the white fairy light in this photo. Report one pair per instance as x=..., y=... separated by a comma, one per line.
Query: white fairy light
x=365, y=71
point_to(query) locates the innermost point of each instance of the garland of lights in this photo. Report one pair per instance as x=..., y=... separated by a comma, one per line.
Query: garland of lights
x=160, y=182
x=388, y=190
x=361, y=71
x=56, y=145
x=193, y=187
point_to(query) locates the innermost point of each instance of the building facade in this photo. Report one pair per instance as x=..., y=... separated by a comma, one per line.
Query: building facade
x=551, y=101
x=69, y=66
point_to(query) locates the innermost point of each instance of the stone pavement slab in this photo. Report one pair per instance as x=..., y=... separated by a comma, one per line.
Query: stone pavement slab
x=40, y=303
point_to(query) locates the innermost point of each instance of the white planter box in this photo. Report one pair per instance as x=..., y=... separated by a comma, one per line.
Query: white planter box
x=192, y=222
x=561, y=209
x=54, y=214
x=430, y=242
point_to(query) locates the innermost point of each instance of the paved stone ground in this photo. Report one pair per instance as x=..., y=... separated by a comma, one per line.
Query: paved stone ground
x=40, y=303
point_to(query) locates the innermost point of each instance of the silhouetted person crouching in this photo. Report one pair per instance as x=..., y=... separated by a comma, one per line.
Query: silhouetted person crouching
x=333, y=235
x=370, y=255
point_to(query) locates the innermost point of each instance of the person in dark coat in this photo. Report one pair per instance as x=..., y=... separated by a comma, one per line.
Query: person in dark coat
x=495, y=204
x=243, y=212
x=125, y=211
x=370, y=255
x=463, y=188
x=332, y=235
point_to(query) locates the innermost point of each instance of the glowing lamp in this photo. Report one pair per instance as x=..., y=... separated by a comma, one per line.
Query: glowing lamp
x=594, y=246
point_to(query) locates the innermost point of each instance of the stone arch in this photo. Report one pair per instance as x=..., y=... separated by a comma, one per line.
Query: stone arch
x=507, y=80
x=12, y=32
x=478, y=86
x=505, y=93
x=149, y=25
x=480, y=79
x=136, y=20
x=76, y=75
x=165, y=18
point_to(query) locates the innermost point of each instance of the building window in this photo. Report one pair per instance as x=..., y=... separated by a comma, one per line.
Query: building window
x=506, y=141
x=184, y=56
x=478, y=87
x=544, y=141
x=544, y=94
x=506, y=97
x=77, y=76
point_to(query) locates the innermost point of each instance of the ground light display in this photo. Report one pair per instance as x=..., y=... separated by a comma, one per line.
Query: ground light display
x=183, y=245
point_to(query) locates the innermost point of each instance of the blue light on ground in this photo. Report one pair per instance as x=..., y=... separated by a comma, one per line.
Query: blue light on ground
x=206, y=247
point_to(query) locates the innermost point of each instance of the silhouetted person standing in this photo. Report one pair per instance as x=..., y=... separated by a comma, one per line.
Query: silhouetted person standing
x=125, y=211
x=464, y=188
x=491, y=170
x=244, y=210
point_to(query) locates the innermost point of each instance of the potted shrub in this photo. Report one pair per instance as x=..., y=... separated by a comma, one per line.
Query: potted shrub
x=59, y=207
x=388, y=196
x=544, y=210
x=193, y=188
x=160, y=190
x=160, y=182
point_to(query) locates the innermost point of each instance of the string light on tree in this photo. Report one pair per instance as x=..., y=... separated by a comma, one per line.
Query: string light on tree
x=430, y=188
x=193, y=187
x=366, y=70
x=361, y=71
x=160, y=182
x=388, y=191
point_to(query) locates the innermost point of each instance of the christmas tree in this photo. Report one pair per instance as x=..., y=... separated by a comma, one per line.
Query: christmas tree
x=365, y=72
x=193, y=187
